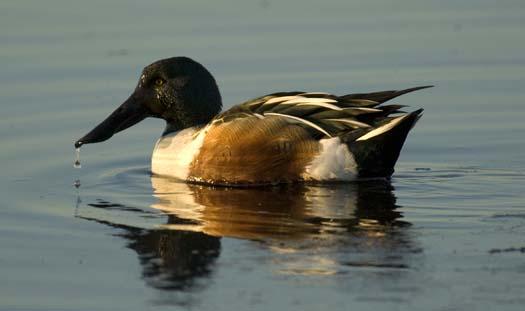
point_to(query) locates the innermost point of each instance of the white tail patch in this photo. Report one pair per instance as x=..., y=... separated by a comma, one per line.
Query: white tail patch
x=335, y=162
x=174, y=153
x=382, y=129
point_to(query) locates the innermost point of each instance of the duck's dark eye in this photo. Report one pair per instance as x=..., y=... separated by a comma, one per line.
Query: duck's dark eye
x=159, y=82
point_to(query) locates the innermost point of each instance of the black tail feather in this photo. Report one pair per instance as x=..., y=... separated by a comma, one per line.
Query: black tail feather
x=381, y=97
x=377, y=155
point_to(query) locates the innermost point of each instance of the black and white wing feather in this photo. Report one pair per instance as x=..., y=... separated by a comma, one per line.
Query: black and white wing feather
x=325, y=114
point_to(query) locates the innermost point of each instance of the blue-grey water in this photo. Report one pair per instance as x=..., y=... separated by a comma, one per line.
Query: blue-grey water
x=447, y=233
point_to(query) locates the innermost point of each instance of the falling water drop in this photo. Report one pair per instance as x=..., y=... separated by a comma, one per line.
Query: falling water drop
x=77, y=159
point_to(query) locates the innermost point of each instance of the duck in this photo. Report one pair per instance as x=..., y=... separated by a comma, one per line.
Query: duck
x=279, y=138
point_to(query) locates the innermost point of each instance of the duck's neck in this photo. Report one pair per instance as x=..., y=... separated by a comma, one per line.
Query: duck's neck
x=172, y=127
x=197, y=113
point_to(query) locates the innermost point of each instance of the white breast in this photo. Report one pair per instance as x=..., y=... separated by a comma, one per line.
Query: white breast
x=174, y=153
x=334, y=163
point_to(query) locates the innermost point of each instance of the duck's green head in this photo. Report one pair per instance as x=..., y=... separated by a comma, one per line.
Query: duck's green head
x=178, y=90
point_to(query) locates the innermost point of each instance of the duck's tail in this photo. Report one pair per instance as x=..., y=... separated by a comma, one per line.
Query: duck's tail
x=377, y=150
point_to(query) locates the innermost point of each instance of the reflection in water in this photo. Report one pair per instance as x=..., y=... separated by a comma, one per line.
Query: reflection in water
x=170, y=259
x=283, y=213
x=309, y=229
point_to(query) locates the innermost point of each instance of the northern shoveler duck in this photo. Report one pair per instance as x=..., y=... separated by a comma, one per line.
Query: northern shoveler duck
x=278, y=138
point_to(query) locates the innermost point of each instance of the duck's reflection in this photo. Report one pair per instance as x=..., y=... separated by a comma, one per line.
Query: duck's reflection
x=309, y=229
x=286, y=212
x=173, y=259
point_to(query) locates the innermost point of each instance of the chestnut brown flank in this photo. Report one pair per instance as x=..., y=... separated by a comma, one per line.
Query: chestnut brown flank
x=255, y=151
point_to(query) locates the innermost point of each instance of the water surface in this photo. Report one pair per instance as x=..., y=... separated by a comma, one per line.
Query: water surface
x=445, y=234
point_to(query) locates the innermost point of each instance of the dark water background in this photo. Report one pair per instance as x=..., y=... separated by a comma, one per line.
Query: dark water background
x=446, y=234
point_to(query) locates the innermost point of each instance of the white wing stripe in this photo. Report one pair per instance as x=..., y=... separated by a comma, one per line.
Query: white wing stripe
x=315, y=126
x=365, y=101
x=364, y=109
x=352, y=122
x=382, y=129
x=321, y=104
x=281, y=99
x=288, y=100
x=303, y=100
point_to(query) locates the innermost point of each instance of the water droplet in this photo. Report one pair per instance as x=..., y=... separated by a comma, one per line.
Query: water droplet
x=77, y=159
x=76, y=183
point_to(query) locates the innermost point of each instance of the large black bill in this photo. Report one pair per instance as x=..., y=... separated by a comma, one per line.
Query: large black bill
x=129, y=113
